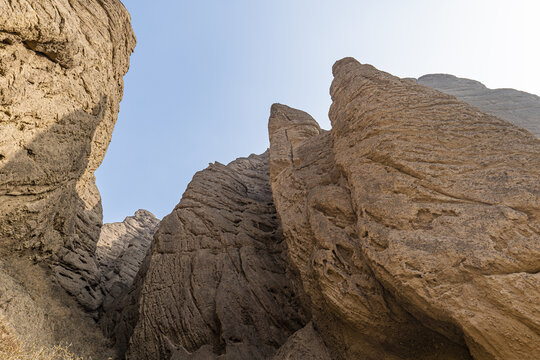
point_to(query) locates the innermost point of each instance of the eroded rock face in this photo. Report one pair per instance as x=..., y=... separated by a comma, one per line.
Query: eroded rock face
x=415, y=212
x=356, y=316
x=61, y=69
x=306, y=343
x=216, y=284
x=517, y=107
x=120, y=252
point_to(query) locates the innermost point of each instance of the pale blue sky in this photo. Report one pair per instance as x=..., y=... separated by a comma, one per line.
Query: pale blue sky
x=204, y=74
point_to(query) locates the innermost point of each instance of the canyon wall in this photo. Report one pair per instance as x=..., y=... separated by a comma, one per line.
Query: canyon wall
x=410, y=230
x=61, y=69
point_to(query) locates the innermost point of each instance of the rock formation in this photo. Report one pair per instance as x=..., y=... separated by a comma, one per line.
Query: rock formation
x=424, y=210
x=517, y=107
x=357, y=317
x=61, y=69
x=216, y=285
x=120, y=252
x=408, y=231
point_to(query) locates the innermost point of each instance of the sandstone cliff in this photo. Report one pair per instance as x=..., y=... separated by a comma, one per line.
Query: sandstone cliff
x=408, y=231
x=424, y=214
x=61, y=69
x=216, y=285
x=120, y=252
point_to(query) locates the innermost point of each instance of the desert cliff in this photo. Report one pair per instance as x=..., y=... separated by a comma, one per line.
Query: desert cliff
x=409, y=230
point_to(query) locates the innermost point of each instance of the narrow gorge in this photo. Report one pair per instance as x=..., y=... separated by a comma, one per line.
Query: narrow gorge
x=409, y=230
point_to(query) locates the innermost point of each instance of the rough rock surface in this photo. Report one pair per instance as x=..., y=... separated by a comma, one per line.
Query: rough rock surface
x=216, y=285
x=61, y=69
x=120, y=252
x=415, y=212
x=517, y=107
x=306, y=343
x=357, y=317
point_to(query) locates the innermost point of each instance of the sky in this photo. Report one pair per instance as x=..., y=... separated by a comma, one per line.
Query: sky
x=205, y=73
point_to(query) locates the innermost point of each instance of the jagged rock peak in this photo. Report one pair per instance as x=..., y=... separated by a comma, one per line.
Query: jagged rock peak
x=216, y=283
x=121, y=250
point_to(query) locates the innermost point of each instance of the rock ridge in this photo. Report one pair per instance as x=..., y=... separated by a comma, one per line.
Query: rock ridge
x=410, y=230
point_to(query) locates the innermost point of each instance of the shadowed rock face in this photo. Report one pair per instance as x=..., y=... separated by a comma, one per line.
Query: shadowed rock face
x=216, y=285
x=120, y=252
x=61, y=69
x=418, y=209
x=517, y=107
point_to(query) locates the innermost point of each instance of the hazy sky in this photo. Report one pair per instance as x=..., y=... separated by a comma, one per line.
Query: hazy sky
x=204, y=74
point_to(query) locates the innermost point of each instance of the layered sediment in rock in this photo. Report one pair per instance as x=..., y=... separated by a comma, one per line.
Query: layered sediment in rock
x=517, y=107
x=216, y=285
x=411, y=230
x=415, y=212
x=61, y=69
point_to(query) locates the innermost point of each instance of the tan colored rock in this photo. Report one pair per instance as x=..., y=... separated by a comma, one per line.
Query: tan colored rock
x=124, y=251
x=448, y=201
x=356, y=316
x=216, y=284
x=120, y=252
x=306, y=343
x=61, y=69
x=415, y=212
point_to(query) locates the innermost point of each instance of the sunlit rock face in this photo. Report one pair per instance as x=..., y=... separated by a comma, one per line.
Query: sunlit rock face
x=61, y=69
x=410, y=230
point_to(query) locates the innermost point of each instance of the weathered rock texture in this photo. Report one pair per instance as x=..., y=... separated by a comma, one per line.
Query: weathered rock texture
x=415, y=212
x=409, y=231
x=356, y=315
x=216, y=285
x=120, y=252
x=61, y=69
x=517, y=107
x=306, y=343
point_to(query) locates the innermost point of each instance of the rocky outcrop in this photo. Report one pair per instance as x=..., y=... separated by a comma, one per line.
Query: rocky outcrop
x=120, y=252
x=414, y=222
x=355, y=314
x=306, y=343
x=408, y=231
x=61, y=69
x=216, y=285
x=517, y=107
